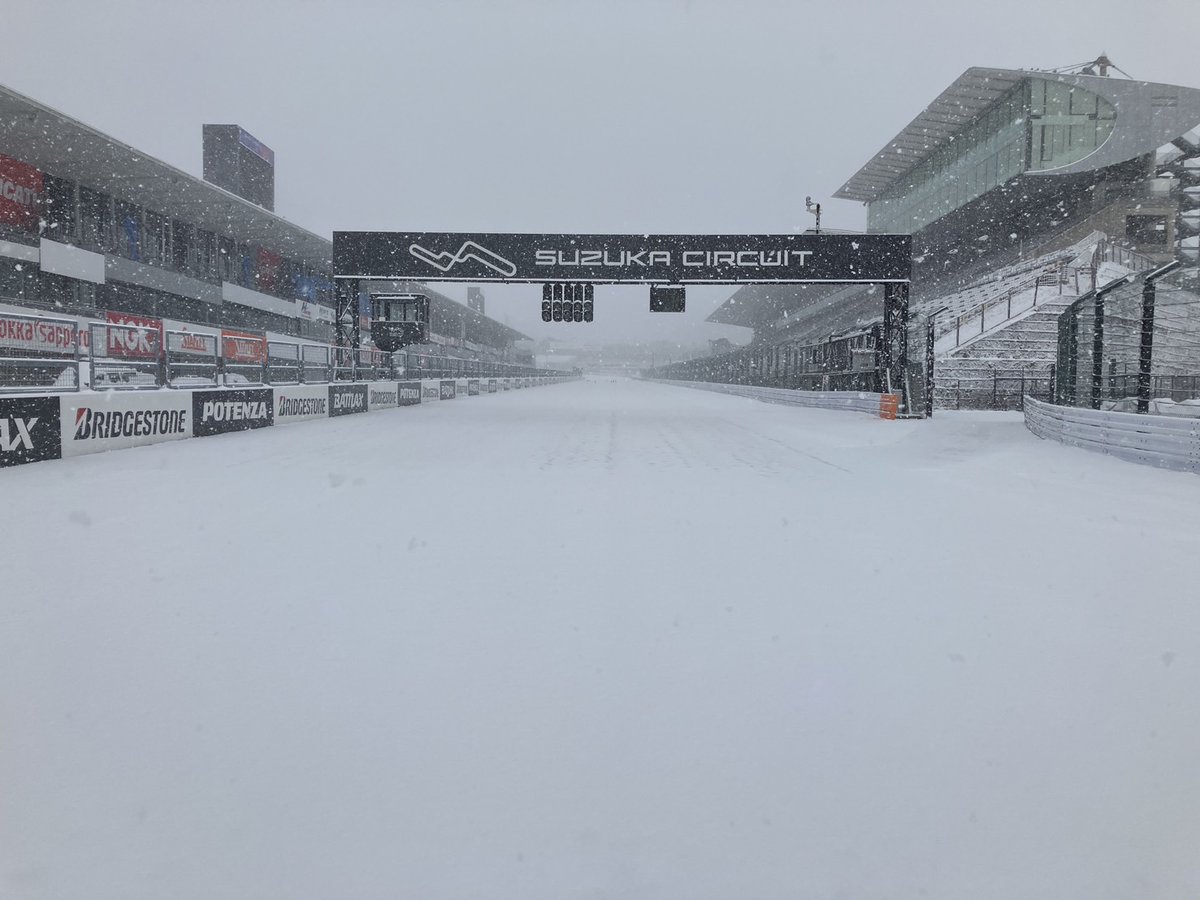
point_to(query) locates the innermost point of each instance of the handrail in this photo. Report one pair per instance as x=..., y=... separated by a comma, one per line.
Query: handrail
x=1057, y=276
x=1109, y=251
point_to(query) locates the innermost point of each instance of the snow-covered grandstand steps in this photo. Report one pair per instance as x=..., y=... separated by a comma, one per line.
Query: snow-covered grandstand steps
x=1025, y=348
x=997, y=297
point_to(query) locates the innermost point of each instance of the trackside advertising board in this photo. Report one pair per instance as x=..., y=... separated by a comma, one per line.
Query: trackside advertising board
x=447, y=391
x=491, y=386
x=114, y=420
x=29, y=430
x=219, y=412
x=347, y=399
x=300, y=403
x=38, y=335
x=382, y=395
x=461, y=387
x=408, y=393
x=430, y=390
x=473, y=388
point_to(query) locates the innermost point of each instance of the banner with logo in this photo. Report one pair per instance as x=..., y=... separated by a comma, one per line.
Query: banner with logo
x=37, y=336
x=473, y=387
x=192, y=343
x=301, y=402
x=382, y=395
x=139, y=337
x=219, y=412
x=622, y=258
x=491, y=386
x=347, y=399
x=113, y=420
x=447, y=390
x=29, y=430
x=408, y=393
x=20, y=194
x=430, y=390
x=243, y=347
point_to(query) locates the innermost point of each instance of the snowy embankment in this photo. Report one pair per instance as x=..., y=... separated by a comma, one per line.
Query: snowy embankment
x=611, y=639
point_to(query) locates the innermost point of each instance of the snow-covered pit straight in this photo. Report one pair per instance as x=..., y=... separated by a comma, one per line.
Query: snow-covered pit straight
x=606, y=639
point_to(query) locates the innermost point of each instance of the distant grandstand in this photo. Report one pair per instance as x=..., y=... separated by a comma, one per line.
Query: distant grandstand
x=1018, y=187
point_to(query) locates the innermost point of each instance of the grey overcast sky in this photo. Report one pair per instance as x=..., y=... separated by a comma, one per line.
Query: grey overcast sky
x=520, y=115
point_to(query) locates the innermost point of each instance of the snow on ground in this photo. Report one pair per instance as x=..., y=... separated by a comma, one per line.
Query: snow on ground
x=601, y=640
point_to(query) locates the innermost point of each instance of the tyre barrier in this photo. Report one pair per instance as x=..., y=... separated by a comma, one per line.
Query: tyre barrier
x=59, y=426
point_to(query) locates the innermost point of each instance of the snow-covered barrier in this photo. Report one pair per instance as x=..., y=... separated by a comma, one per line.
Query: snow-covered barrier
x=882, y=405
x=1163, y=441
x=36, y=428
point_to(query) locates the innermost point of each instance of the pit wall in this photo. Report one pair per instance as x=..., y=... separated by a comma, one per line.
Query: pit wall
x=40, y=427
x=885, y=406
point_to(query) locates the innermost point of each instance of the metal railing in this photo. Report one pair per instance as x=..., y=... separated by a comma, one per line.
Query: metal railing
x=1108, y=251
x=998, y=391
x=49, y=354
x=191, y=359
x=123, y=357
x=39, y=353
x=1044, y=283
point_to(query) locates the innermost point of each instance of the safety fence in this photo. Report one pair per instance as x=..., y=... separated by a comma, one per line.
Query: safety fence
x=882, y=405
x=1135, y=336
x=40, y=354
x=34, y=428
x=1167, y=442
x=997, y=391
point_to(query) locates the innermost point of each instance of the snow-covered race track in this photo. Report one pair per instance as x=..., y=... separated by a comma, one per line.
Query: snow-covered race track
x=603, y=639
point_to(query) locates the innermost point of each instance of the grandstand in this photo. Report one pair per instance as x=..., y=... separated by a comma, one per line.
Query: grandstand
x=1022, y=190
x=92, y=228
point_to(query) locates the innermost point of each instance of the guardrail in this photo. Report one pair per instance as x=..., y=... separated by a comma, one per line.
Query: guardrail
x=882, y=405
x=1161, y=441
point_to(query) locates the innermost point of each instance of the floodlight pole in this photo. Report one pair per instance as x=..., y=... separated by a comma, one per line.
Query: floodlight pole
x=815, y=209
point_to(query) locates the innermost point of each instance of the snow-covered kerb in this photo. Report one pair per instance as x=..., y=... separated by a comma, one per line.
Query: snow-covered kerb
x=1162, y=441
x=854, y=401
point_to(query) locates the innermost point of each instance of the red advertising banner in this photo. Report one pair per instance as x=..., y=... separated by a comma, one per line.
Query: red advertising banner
x=242, y=347
x=37, y=335
x=196, y=344
x=140, y=337
x=20, y=193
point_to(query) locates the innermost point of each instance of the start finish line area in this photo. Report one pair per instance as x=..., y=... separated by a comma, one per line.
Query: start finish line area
x=392, y=266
